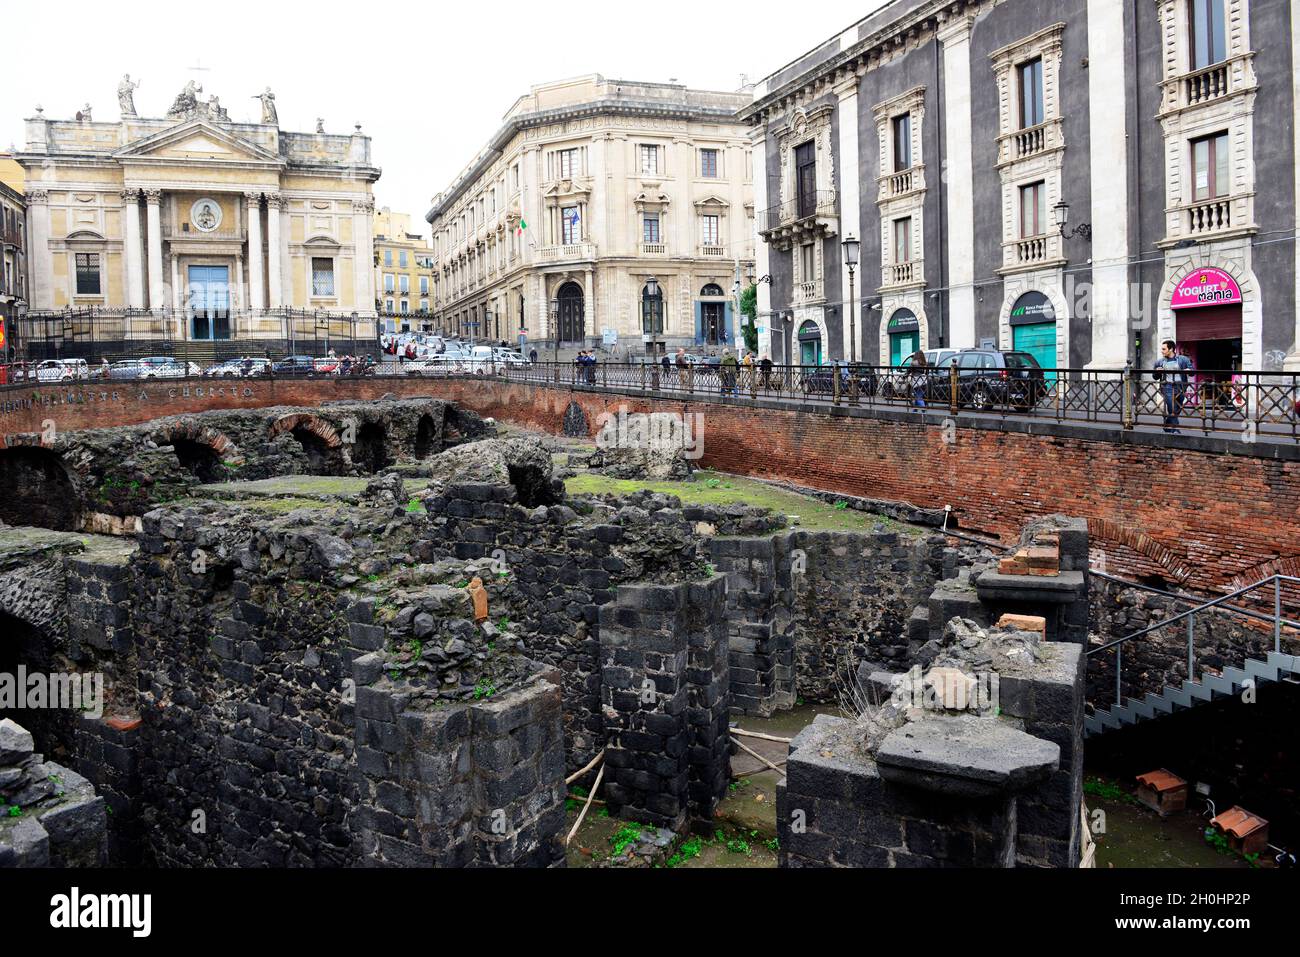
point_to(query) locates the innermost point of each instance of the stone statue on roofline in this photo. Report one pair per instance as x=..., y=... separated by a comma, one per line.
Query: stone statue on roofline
x=126, y=95
x=187, y=101
x=269, y=114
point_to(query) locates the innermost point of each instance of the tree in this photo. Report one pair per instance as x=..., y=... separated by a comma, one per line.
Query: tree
x=749, y=310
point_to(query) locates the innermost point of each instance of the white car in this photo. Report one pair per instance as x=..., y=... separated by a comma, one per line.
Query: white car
x=436, y=365
x=62, y=370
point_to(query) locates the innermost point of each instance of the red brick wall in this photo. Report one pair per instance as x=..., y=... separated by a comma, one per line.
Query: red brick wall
x=1198, y=518
x=24, y=410
x=1201, y=518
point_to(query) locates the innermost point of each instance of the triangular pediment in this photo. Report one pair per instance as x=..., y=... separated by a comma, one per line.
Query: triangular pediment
x=196, y=140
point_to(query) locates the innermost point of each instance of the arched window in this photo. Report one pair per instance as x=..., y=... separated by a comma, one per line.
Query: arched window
x=712, y=289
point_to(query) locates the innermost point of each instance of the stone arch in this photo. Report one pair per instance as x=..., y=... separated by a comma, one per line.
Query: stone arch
x=1104, y=530
x=1050, y=284
x=1289, y=566
x=889, y=310
x=320, y=441
x=202, y=451
x=38, y=489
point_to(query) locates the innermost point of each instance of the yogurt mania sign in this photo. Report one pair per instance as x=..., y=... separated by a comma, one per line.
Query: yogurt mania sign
x=1206, y=287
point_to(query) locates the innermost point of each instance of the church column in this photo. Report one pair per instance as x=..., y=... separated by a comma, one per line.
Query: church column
x=134, y=262
x=42, y=261
x=153, y=220
x=363, y=256
x=256, y=301
x=274, y=254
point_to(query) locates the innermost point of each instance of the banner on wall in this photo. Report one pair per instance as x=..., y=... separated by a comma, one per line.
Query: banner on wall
x=1206, y=287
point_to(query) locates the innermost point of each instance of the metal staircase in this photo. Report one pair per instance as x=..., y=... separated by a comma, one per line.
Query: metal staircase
x=1190, y=693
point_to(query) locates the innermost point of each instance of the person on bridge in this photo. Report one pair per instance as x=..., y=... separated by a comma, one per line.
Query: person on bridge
x=765, y=366
x=1171, y=372
x=918, y=378
x=532, y=356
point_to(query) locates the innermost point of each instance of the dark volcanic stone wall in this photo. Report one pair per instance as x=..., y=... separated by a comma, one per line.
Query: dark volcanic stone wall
x=245, y=648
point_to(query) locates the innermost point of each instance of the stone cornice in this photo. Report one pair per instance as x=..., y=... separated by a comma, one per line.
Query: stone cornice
x=860, y=57
x=647, y=109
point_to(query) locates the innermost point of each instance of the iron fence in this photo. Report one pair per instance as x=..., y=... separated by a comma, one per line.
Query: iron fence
x=1249, y=405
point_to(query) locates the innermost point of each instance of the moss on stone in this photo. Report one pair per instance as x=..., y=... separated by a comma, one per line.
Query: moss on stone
x=719, y=488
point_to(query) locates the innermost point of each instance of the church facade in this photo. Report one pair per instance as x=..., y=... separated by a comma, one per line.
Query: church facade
x=196, y=227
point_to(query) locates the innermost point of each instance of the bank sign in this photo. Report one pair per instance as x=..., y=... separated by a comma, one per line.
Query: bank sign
x=1206, y=287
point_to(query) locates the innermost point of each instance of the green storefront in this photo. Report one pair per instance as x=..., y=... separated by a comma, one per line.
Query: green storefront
x=904, y=335
x=1033, y=329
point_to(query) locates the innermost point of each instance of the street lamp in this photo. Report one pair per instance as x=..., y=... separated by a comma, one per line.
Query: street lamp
x=649, y=315
x=555, y=331
x=1061, y=215
x=851, y=250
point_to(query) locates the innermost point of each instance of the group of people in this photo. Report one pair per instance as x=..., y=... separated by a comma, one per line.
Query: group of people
x=585, y=366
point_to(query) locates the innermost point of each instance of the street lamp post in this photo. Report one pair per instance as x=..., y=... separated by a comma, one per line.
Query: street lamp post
x=851, y=249
x=1061, y=214
x=650, y=315
x=555, y=332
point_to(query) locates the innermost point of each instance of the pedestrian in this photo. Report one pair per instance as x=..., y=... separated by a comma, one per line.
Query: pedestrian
x=667, y=364
x=247, y=366
x=104, y=368
x=728, y=368
x=591, y=367
x=918, y=378
x=765, y=367
x=532, y=355
x=680, y=362
x=1171, y=372
x=747, y=368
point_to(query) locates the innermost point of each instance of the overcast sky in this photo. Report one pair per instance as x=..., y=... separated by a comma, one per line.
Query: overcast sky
x=429, y=83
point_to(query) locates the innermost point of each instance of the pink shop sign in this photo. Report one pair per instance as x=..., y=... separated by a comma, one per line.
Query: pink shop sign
x=1206, y=287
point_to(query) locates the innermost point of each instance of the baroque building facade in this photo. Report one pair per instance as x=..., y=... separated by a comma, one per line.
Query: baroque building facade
x=603, y=214
x=196, y=227
x=403, y=274
x=13, y=252
x=1078, y=179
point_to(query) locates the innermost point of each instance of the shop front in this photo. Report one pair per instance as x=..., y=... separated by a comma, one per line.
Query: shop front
x=1207, y=307
x=904, y=335
x=1033, y=329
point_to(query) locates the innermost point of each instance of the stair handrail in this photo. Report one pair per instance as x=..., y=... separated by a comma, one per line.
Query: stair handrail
x=1274, y=580
x=1190, y=616
x=1195, y=602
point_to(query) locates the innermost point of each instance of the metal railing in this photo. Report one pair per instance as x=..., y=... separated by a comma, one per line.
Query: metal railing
x=1188, y=618
x=1251, y=406
x=819, y=202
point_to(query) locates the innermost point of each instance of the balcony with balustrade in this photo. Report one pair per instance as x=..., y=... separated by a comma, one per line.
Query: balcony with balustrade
x=567, y=252
x=806, y=293
x=1214, y=218
x=901, y=183
x=902, y=275
x=710, y=251
x=1030, y=142
x=653, y=249
x=1029, y=253
x=1209, y=84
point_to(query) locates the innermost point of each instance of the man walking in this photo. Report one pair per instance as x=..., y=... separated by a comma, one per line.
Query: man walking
x=1171, y=372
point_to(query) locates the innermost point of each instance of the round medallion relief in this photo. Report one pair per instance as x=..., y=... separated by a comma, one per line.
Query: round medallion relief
x=205, y=215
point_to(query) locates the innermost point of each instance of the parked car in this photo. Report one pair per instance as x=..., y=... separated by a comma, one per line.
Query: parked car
x=987, y=378
x=164, y=367
x=244, y=367
x=819, y=382
x=294, y=366
x=62, y=370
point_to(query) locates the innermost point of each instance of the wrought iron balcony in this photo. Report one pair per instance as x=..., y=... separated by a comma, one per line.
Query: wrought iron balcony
x=806, y=207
